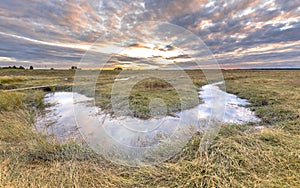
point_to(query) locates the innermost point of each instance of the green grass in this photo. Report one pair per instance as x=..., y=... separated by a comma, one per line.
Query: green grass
x=139, y=98
x=240, y=156
x=149, y=90
x=12, y=79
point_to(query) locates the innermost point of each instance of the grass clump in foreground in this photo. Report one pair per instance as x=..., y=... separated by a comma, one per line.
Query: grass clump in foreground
x=241, y=155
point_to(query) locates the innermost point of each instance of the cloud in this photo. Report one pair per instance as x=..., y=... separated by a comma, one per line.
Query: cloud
x=179, y=57
x=237, y=32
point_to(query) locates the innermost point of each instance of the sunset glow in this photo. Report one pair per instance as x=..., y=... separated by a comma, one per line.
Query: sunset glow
x=242, y=34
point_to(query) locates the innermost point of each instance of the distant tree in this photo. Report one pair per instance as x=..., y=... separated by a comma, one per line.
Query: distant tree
x=73, y=67
x=9, y=67
x=21, y=67
x=31, y=67
x=118, y=68
x=14, y=67
x=51, y=68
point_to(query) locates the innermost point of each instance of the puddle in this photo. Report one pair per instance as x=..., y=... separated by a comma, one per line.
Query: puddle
x=59, y=119
x=60, y=116
x=72, y=115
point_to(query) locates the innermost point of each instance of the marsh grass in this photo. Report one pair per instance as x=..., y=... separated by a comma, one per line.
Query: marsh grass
x=148, y=89
x=240, y=156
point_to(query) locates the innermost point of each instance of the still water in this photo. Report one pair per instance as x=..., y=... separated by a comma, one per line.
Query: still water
x=71, y=113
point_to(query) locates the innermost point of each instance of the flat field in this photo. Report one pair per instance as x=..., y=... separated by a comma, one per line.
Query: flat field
x=265, y=154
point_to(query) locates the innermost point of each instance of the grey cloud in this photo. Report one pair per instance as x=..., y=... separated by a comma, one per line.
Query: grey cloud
x=185, y=56
x=83, y=21
x=24, y=51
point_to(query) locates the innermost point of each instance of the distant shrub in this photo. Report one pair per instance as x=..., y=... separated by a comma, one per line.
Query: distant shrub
x=118, y=68
x=31, y=67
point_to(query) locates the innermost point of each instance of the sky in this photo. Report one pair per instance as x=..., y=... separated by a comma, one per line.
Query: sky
x=150, y=34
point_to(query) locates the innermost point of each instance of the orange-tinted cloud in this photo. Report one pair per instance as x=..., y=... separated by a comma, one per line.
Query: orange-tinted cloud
x=239, y=33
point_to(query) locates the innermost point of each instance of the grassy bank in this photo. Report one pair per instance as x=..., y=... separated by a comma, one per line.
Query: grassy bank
x=142, y=93
x=241, y=155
